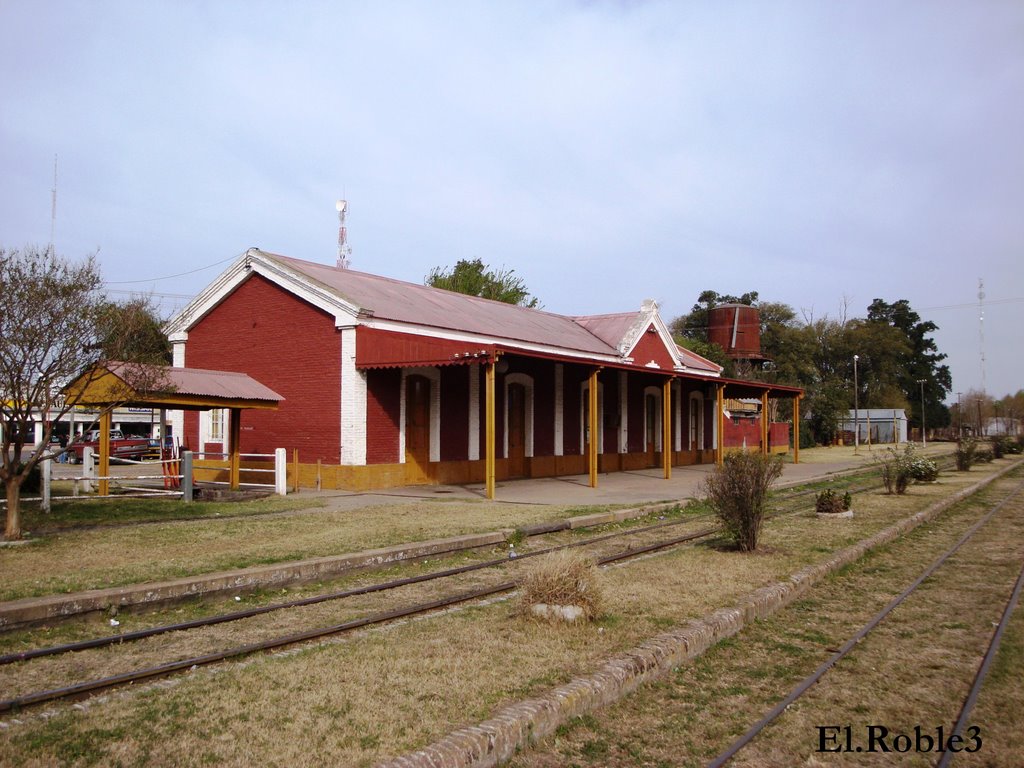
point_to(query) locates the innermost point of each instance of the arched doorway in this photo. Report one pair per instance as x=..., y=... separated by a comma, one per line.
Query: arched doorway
x=696, y=421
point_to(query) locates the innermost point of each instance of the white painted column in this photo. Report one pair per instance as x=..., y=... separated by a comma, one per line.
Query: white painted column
x=353, y=403
x=623, y=412
x=177, y=418
x=677, y=403
x=474, y=411
x=559, y=410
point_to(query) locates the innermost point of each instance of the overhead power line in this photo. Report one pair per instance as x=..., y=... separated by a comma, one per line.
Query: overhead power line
x=170, y=277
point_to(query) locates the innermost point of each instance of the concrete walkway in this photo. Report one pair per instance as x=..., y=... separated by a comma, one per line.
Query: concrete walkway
x=633, y=487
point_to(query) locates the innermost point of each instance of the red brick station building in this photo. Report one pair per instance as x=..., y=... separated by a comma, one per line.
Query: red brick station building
x=386, y=383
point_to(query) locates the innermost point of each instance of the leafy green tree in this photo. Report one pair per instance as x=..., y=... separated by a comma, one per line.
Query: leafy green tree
x=146, y=343
x=477, y=279
x=709, y=351
x=921, y=360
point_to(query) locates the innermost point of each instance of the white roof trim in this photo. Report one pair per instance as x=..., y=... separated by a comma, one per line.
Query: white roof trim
x=649, y=315
x=255, y=261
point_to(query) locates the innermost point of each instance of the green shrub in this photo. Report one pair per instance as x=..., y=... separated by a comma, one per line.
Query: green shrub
x=983, y=456
x=999, y=446
x=894, y=469
x=921, y=469
x=964, y=455
x=829, y=502
x=738, y=492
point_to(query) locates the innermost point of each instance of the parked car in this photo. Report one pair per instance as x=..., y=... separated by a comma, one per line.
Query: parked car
x=121, y=447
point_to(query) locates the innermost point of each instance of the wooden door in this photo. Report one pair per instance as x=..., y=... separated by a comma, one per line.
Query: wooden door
x=516, y=405
x=417, y=425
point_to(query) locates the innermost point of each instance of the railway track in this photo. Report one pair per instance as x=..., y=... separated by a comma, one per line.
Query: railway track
x=954, y=739
x=787, y=507
x=785, y=503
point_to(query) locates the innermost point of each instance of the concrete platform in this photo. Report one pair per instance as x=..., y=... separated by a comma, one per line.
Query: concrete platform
x=633, y=487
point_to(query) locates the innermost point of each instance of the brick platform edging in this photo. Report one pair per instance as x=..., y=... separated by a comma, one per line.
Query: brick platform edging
x=32, y=610
x=522, y=723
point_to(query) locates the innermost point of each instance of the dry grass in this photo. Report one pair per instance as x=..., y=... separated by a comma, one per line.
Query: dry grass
x=92, y=559
x=356, y=701
x=865, y=454
x=566, y=577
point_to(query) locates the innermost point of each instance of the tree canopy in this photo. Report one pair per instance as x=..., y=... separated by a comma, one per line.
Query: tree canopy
x=893, y=345
x=478, y=279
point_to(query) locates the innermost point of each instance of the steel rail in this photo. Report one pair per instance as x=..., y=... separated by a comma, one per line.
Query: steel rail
x=91, y=686
x=850, y=644
x=141, y=634
x=982, y=673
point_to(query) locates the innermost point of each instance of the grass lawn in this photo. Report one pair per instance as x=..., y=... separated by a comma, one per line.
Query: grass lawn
x=84, y=549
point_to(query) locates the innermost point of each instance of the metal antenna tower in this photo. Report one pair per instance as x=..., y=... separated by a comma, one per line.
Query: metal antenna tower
x=53, y=204
x=981, y=329
x=344, y=250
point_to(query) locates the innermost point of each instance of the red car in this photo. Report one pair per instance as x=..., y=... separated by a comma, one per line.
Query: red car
x=121, y=447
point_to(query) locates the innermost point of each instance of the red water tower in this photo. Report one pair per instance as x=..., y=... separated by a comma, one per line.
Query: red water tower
x=736, y=328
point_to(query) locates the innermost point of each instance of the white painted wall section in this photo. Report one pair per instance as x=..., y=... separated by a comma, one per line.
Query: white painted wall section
x=559, y=410
x=474, y=411
x=353, y=403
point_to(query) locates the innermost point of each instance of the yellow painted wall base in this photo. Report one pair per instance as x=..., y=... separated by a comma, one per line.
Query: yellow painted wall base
x=380, y=476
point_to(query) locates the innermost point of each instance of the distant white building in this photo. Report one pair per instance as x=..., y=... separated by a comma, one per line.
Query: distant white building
x=880, y=423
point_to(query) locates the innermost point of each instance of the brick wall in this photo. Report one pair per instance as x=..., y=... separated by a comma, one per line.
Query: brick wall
x=651, y=347
x=383, y=411
x=286, y=344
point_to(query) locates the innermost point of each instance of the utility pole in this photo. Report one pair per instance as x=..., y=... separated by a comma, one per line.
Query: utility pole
x=856, y=408
x=924, y=438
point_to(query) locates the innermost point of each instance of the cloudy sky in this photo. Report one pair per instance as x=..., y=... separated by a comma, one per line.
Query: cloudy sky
x=821, y=153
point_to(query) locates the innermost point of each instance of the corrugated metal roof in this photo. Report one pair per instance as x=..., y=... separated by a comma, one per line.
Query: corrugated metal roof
x=611, y=329
x=693, y=360
x=389, y=299
x=196, y=381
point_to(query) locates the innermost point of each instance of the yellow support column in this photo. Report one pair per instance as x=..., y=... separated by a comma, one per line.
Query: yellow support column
x=720, y=422
x=592, y=428
x=666, y=428
x=796, y=429
x=236, y=455
x=764, y=423
x=104, y=466
x=489, y=430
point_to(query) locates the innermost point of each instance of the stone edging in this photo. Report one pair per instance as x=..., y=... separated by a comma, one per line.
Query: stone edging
x=522, y=723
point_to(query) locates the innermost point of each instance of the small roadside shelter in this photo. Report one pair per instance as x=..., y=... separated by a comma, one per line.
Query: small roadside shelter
x=162, y=387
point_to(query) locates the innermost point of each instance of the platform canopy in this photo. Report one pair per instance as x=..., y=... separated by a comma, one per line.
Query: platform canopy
x=153, y=386
x=138, y=385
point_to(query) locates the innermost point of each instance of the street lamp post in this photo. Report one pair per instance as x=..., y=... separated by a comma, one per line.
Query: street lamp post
x=856, y=408
x=924, y=439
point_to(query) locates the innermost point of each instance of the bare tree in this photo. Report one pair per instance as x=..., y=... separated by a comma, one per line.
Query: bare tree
x=55, y=326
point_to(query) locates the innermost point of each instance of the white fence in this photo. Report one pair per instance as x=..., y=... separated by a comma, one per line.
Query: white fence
x=177, y=476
